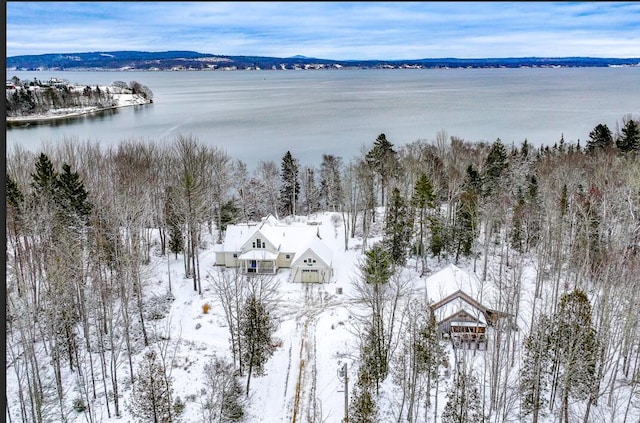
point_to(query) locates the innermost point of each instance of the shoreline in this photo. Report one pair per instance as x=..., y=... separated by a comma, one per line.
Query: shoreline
x=19, y=121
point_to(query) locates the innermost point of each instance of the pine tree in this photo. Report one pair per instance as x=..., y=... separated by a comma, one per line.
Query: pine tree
x=495, y=166
x=429, y=353
x=574, y=348
x=45, y=178
x=377, y=271
x=383, y=160
x=516, y=235
x=330, y=182
x=176, y=240
x=377, y=265
x=15, y=202
x=534, y=371
x=222, y=400
x=398, y=229
x=73, y=196
x=466, y=223
x=256, y=329
x=438, y=240
x=600, y=138
x=629, y=140
x=290, y=188
x=152, y=391
x=311, y=192
x=463, y=404
x=362, y=406
x=423, y=199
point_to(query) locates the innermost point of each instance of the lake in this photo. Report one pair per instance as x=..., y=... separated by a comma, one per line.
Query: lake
x=259, y=115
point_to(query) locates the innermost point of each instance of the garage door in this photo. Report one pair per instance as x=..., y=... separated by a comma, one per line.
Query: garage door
x=310, y=275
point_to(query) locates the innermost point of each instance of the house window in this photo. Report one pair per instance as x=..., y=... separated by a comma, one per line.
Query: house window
x=258, y=243
x=253, y=245
x=235, y=255
x=287, y=256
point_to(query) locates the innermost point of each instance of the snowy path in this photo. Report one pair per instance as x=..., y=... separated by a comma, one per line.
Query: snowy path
x=301, y=385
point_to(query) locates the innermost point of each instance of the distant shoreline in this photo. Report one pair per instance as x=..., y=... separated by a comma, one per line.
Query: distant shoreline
x=19, y=121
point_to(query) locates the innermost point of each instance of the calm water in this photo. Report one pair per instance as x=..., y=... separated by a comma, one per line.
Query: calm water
x=259, y=115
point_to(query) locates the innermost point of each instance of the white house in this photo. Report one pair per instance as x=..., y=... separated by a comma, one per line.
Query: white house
x=266, y=247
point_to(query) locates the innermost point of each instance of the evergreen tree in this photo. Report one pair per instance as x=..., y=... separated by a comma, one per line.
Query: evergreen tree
x=534, y=212
x=330, y=182
x=463, y=404
x=467, y=223
x=629, y=140
x=534, y=371
x=45, y=179
x=600, y=138
x=15, y=201
x=229, y=214
x=495, y=166
x=362, y=406
x=151, y=395
x=429, y=353
x=398, y=229
x=257, y=327
x=438, y=240
x=516, y=235
x=311, y=192
x=377, y=265
x=564, y=200
x=377, y=270
x=290, y=188
x=73, y=196
x=383, y=160
x=176, y=240
x=423, y=199
x=174, y=220
x=574, y=348
x=222, y=400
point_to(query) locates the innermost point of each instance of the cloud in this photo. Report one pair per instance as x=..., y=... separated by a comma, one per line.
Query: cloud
x=334, y=30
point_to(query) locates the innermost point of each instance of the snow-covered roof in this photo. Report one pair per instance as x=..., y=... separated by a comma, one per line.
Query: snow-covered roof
x=295, y=239
x=236, y=235
x=455, y=306
x=258, y=255
x=451, y=279
x=316, y=245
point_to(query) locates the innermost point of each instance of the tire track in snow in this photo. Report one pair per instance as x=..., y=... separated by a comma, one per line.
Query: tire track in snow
x=304, y=402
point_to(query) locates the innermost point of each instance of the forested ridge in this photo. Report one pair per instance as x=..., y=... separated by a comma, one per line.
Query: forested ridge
x=27, y=98
x=84, y=221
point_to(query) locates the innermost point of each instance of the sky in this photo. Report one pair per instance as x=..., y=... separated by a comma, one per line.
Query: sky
x=329, y=30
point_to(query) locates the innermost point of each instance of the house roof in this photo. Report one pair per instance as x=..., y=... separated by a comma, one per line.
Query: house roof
x=452, y=290
x=316, y=245
x=294, y=239
x=451, y=279
x=258, y=255
x=458, y=303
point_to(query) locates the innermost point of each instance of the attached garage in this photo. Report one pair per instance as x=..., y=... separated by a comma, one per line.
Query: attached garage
x=313, y=265
x=310, y=275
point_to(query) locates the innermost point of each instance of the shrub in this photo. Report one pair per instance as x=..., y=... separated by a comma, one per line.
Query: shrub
x=78, y=405
x=178, y=405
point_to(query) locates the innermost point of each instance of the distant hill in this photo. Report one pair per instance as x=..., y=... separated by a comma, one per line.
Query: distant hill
x=191, y=60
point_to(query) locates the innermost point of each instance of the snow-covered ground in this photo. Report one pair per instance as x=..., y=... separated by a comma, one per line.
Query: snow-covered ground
x=317, y=334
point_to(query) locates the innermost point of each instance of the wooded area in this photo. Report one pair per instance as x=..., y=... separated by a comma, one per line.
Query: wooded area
x=83, y=222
